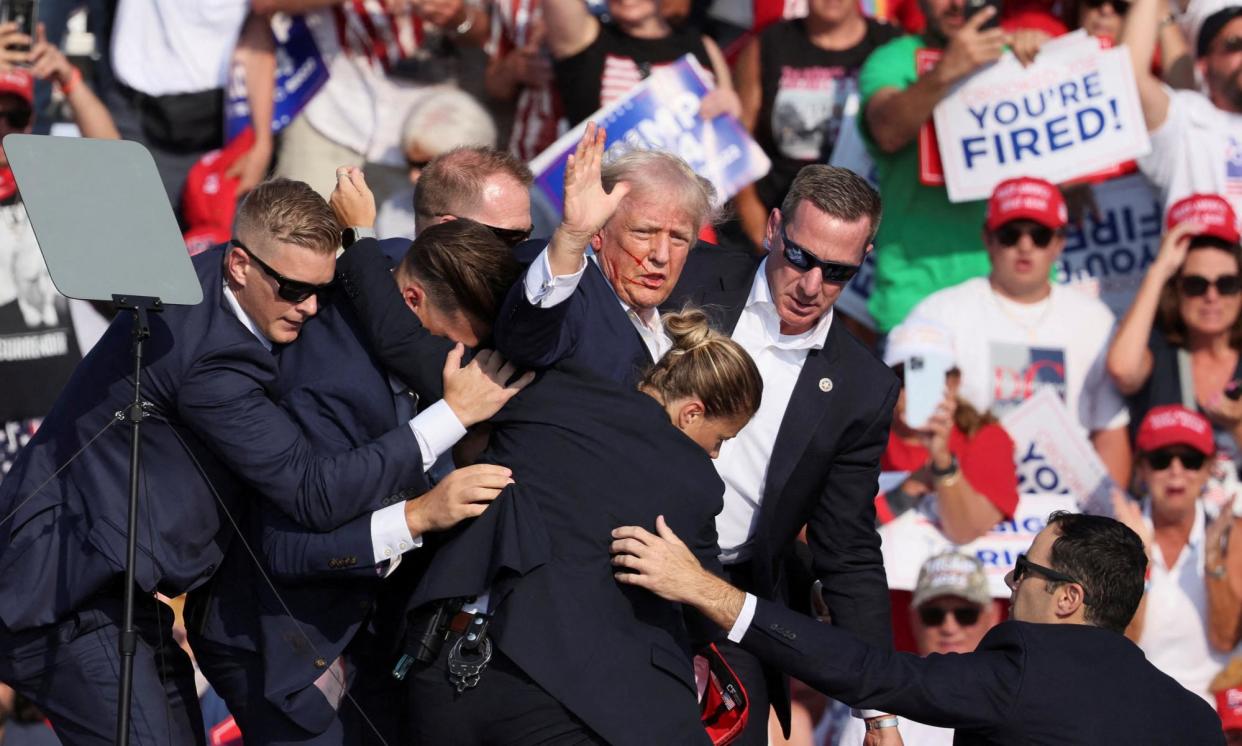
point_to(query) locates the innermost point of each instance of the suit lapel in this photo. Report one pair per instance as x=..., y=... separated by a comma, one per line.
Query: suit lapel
x=615, y=316
x=808, y=404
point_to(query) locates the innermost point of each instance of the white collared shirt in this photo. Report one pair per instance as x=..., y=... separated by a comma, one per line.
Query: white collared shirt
x=743, y=461
x=545, y=290
x=436, y=429
x=1175, y=623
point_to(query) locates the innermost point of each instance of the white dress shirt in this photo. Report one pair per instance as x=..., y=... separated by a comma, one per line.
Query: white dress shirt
x=436, y=429
x=545, y=290
x=743, y=461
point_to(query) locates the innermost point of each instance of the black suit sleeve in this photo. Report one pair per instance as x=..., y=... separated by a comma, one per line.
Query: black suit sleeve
x=224, y=400
x=533, y=337
x=845, y=547
x=402, y=345
x=974, y=690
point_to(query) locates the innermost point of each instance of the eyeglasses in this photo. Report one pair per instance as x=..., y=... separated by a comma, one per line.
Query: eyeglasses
x=1023, y=567
x=510, y=236
x=1163, y=458
x=1229, y=45
x=1120, y=6
x=294, y=291
x=16, y=119
x=934, y=616
x=1010, y=235
x=804, y=261
x=1193, y=286
x=416, y=165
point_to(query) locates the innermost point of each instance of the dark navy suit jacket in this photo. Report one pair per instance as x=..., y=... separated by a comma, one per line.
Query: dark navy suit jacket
x=587, y=456
x=210, y=384
x=334, y=389
x=1025, y=683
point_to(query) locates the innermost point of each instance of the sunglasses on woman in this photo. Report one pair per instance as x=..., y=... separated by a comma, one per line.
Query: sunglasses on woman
x=1194, y=286
x=294, y=291
x=1010, y=235
x=1120, y=7
x=804, y=261
x=934, y=616
x=1163, y=458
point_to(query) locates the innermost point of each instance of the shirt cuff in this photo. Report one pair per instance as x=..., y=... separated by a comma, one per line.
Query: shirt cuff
x=747, y=615
x=437, y=430
x=545, y=290
x=390, y=537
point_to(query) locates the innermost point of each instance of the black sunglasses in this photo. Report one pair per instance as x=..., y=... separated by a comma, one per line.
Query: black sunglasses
x=1193, y=286
x=1010, y=235
x=934, y=616
x=510, y=236
x=16, y=118
x=1023, y=567
x=804, y=261
x=1120, y=6
x=1163, y=458
x=294, y=291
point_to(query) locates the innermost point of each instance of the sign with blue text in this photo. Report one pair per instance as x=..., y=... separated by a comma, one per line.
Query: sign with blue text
x=1073, y=112
x=662, y=113
x=300, y=73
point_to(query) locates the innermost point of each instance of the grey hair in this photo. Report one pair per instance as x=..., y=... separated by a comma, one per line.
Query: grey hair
x=648, y=170
x=445, y=118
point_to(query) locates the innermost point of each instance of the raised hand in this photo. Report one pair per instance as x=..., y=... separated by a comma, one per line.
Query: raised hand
x=972, y=47
x=1174, y=247
x=478, y=390
x=463, y=494
x=587, y=205
x=14, y=46
x=352, y=200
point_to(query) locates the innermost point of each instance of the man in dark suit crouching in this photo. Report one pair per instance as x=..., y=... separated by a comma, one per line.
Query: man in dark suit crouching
x=1061, y=671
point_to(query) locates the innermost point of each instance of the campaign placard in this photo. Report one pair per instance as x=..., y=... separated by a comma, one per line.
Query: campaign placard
x=1073, y=112
x=1109, y=254
x=300, y=73
x=662, y=113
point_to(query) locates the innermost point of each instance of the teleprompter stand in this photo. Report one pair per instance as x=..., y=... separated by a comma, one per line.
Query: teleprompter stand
x=106, y=230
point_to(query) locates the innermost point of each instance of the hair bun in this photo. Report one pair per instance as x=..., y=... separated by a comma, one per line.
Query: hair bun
x=689, y=329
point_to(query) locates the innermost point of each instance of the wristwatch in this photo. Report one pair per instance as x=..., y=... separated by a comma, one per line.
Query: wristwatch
x=1217, y=572
x=889, y=721
x=355, y=232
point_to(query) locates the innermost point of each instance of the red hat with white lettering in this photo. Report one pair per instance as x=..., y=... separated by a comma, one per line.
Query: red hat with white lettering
x=17, y=83
x=1229, y=706
x=1211, y=211
x=1174, y=425
x=1026, y=198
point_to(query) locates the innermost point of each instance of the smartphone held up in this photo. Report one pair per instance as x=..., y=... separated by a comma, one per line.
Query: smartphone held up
x=24, y=13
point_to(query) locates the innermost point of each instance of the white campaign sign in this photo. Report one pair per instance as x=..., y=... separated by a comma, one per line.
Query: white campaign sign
x=1071, y=113
x=1057, y=470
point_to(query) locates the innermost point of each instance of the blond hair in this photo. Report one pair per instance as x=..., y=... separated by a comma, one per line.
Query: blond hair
x=706, y=365
x=289, y=212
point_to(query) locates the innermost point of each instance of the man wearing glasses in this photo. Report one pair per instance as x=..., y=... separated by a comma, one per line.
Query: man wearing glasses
x=1014, y=332
x=810, y=457
x=1060, y=671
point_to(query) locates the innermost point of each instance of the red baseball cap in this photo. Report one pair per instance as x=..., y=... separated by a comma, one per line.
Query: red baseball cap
x=18, y=83
x=1229, y=706
x=1211, y=211
x=1026, y=198
x=1173, y=424
x=209, y=197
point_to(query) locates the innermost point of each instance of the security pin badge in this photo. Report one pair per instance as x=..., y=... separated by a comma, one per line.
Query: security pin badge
x=825, y=385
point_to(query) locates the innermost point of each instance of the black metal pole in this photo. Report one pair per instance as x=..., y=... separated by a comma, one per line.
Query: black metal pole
x=134, y=414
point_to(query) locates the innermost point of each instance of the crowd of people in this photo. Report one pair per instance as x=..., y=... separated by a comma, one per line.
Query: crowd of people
x=439, y=461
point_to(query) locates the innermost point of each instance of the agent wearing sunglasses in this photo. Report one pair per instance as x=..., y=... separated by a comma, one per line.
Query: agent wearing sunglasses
x=1059, y=671
x=1183, y=625
x=1014, y=331
x=1187, y=319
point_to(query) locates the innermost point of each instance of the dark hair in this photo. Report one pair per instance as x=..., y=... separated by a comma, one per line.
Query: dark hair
x=1169, y=316
x=463, y=266
x=452, y=182
x=290, y=212
x=838, y=192
x=1108, y=559
x=705, y=364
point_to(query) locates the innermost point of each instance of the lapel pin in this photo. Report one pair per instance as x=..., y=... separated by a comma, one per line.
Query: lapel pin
x=825, y=385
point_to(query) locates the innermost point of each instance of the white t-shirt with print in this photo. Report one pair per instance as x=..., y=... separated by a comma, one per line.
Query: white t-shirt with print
x=1007, y=351
x=1198, y=149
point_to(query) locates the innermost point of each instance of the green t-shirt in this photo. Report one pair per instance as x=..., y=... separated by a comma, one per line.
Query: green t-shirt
x=925, y=243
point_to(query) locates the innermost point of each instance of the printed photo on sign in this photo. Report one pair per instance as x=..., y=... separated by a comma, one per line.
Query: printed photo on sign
x=1019, y=371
